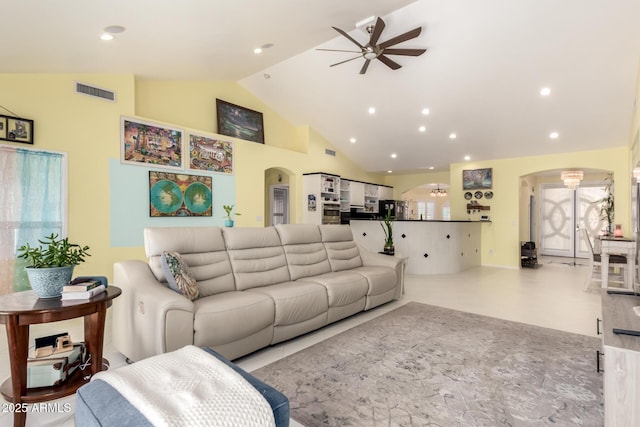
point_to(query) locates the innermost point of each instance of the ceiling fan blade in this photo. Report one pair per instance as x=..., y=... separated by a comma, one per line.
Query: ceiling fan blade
x=401, y=38
x=340, y=50
x=348, y=36
x=388, y=62
x=377, y=31
x=405, y=52
x=347, y=60
x=365, y=66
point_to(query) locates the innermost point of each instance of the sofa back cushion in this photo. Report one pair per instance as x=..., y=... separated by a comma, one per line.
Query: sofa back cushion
x=342, y=250
x=257, y=257
x=306, y=255
x=201, y=248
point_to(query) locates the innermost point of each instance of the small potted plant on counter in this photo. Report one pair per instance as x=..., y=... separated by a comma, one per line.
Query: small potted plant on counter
x=387, y=227
x=51, y=264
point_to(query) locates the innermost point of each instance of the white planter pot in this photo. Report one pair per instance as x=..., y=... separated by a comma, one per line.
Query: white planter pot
x=48, y=282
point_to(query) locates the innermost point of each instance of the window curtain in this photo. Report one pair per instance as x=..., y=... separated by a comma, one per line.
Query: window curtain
x=33, y=205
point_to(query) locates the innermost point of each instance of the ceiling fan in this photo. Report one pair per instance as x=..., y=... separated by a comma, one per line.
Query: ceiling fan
x=372, y=50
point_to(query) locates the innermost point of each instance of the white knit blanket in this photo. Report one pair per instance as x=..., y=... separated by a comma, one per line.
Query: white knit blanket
x=189, y=387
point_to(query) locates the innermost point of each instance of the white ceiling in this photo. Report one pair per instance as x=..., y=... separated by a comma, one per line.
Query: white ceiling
x=480, y=78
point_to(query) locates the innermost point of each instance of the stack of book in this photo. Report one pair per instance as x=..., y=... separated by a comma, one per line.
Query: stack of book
x=82, y=290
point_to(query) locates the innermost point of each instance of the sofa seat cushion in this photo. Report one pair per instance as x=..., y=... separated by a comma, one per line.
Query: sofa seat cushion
x=343, y=288
x=230, y=316
x=295, y=302
x=380, y=279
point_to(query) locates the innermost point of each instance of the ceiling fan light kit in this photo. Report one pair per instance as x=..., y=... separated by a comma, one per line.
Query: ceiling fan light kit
x=372, y=50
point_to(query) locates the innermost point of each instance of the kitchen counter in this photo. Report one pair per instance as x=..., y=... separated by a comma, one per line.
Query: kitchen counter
x=432, y=247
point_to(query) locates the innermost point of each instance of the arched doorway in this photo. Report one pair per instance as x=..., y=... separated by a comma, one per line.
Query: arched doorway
x=428, y=202
x=277, y=196
x=553, y=215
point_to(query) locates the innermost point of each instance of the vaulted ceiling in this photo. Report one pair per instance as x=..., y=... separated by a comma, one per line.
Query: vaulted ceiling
x=481, y=77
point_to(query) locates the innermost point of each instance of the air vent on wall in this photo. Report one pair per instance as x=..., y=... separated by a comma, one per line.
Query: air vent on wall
x=329, y=152
x=96, y=92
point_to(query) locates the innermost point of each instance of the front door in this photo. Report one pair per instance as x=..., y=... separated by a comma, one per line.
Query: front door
x=562, y=213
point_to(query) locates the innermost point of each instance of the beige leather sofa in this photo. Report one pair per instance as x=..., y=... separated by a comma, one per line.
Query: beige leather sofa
x=258, y=287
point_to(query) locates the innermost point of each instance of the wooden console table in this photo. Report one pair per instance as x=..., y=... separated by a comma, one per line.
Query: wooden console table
x=617, y=245
x=21, y=309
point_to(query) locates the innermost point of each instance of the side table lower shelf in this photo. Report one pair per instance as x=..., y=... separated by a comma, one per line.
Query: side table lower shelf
x=42, y=394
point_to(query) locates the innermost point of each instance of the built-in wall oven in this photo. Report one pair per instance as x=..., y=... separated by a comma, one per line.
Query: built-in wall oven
x=331, y=213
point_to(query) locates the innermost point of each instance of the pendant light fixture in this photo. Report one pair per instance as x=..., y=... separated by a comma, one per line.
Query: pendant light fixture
x=438, y=192
x=572, y=178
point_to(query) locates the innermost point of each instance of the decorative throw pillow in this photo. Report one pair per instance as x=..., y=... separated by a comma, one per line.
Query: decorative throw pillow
x=178, y=276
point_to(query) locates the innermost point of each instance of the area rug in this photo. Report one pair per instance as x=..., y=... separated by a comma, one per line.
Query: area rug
x=421, y=365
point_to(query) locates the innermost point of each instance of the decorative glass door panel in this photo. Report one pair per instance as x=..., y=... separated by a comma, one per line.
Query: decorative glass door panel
x=563, y=213
x=557, y=230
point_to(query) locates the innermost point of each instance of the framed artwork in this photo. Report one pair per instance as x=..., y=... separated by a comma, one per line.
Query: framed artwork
x=16, y=129
x=150, y=144
x=477, y=179
x=3, y=127
x=210, y=154
x=239, y=122
x=180, y=195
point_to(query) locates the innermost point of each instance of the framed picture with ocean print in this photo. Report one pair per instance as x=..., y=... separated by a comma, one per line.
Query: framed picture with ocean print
x=210, y=154
x=179, y=195
x=239, y=122
x=146, y=143
x=477, y=179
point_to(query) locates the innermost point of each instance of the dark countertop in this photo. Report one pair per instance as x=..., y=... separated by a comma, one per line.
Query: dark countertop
x=416, y=220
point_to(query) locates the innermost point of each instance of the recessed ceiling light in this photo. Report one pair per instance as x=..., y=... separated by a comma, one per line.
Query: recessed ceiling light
x=114, y=29
x=467, y=157
x=106, y=37
x=422, y=128
x=267, y=76
x=431, y=168
x=352, y=140
x=389, y=171
x=425, y=111
x=394, y=155
x=257, y=50
x=372, y=110
x=452, y=136
x=545, y=91
x=554, y=135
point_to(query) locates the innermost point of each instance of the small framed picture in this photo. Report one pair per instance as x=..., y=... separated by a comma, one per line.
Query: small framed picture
x=3, y=127
x=16, y=129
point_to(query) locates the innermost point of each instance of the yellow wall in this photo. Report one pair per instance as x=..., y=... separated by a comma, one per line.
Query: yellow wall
x=501, y=237
x=88, y=129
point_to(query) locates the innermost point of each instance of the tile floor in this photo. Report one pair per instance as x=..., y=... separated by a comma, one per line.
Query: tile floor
x=551, y=296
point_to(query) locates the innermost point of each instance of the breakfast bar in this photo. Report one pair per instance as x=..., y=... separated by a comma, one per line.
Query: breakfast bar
x=432, y=247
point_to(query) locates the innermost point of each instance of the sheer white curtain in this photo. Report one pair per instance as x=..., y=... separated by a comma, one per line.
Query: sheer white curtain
x=32, y=206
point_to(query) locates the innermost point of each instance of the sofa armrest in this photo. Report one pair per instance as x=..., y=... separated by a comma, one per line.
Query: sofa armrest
x=396, y=262
x=149, y=318
x=375, y=259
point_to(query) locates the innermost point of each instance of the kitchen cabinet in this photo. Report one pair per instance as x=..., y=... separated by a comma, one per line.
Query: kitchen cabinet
x=356, y=194
x=321, y=198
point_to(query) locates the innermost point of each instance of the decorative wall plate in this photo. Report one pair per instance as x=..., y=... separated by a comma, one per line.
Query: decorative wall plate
x=478, y=194
x=488, y=194
x=468, y=195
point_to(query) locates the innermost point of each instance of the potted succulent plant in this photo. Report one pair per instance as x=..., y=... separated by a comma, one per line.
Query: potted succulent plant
x=228, y=209
x=51, y=264
x=387, y=227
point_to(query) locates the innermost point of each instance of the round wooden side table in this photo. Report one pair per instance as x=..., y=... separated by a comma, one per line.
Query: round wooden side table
x=21, y=309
